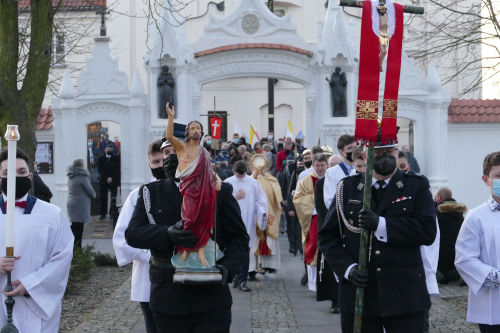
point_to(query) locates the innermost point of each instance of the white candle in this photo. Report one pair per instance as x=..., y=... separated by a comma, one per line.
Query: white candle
x=11, y=136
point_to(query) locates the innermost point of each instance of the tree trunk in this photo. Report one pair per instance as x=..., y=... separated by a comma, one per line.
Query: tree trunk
x=22, y=106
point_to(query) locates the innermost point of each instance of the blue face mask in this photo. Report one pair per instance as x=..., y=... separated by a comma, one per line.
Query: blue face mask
x=496, y=187
x=209, y=142
x=236, y=141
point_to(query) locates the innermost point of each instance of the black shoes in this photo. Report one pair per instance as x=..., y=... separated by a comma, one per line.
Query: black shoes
x=303, y=280
x=252, y=277
x=243, y=287
x=235, y=281
x=334, y=308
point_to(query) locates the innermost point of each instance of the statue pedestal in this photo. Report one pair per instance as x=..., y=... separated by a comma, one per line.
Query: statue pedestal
x=192, y=271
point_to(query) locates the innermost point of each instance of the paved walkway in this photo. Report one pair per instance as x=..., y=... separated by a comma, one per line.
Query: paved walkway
x=277, y=303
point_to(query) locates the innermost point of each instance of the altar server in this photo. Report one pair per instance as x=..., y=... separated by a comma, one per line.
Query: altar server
x=478, y=253
x=43, y=246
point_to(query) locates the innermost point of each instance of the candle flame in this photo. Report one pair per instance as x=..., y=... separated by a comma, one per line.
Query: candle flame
x=12, y=135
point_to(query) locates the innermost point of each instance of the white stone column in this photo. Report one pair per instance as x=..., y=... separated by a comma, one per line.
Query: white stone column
x=436, y=136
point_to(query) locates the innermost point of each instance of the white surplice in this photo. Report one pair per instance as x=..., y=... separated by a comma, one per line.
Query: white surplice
x=44, y=241
x=253, y=206
x=332, y=178
x=125, y=254
x=477, y=254
x=430, y=258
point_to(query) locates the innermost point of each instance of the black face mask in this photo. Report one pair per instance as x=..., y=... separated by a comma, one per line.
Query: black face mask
x=384, y=164
x=158, y=173
x=299, y=170
x=308, y=164
x=348, y=157
x=23, y=185
x=170, y=166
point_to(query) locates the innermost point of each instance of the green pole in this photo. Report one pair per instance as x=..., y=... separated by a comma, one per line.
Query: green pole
x=364, y=242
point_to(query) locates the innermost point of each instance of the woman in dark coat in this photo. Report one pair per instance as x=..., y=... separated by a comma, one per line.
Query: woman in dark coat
x=80, y=194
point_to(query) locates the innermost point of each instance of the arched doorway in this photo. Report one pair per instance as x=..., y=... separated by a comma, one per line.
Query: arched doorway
x=100, y=136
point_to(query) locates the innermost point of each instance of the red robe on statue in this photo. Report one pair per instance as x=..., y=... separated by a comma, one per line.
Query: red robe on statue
x=199, y=195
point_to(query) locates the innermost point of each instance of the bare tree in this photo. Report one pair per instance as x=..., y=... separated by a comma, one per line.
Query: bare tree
x=462, y=37
x=30, y=40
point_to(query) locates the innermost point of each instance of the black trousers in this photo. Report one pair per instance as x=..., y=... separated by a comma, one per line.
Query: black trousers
x=148, y=317
x=409, y=323
x=218, y=321
x=489, y=328
x=104, y=188
x=243, y=271
x=293, y=233
x=77, y=229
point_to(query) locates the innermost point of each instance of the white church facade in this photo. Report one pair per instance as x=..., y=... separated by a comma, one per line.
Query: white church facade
x=229, y=63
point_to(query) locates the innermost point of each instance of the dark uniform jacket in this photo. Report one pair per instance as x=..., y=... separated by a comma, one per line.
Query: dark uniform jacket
x=232, y=239
x=397, y=279
x=109, y=168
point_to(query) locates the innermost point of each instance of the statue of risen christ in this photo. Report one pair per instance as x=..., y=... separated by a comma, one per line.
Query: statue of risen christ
x=198, y=185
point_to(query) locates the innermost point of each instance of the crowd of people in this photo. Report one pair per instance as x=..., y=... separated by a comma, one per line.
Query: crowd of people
x=313, y=195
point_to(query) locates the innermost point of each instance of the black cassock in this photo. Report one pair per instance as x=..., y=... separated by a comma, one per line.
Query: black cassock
x=326, y=285
x=232, y=238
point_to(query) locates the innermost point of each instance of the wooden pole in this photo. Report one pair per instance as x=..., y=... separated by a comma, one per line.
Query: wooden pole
x=359, y=4
x=364, y=241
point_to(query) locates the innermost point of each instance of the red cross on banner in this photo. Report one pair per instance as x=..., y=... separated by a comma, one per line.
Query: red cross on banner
x=215, y=127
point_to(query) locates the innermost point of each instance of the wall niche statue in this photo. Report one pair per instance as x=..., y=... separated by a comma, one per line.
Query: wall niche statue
x=338, y=84
x=166, y=84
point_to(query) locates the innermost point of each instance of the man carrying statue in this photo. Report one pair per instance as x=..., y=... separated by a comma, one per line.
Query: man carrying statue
x=177, y=215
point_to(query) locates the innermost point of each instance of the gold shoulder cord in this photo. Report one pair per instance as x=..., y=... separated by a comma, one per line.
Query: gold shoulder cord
x=340, y=208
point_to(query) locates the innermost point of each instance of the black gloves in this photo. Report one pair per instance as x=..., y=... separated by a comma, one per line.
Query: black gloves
x=368, y=220
x=358, y=278
x=184, y=238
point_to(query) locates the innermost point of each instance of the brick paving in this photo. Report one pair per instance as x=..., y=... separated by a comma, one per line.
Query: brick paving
x=277, y=303
x=448, y=311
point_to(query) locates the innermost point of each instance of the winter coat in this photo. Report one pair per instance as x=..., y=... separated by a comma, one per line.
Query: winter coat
x=80, y=193
x=450, y=216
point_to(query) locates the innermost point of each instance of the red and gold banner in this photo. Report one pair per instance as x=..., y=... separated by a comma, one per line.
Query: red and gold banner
x=368, y=85
x=389, y=116
x=369, y=78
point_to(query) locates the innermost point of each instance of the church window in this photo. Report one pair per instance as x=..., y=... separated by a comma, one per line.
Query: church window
x=58, y=48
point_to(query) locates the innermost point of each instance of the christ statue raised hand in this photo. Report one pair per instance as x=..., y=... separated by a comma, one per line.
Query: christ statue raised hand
x=198, y=185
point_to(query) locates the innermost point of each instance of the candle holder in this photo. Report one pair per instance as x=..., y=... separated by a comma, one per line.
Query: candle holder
x=9, y=302
x=12, y=133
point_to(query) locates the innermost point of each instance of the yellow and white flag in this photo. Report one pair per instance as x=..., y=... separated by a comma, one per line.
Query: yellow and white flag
x=289, y=131
x=253, y=134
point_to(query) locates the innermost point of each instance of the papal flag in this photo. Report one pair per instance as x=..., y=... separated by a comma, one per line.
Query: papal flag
x=253, y=133
x=289, y=131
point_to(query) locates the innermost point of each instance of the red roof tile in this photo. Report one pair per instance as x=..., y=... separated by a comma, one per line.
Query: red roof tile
x=253, y=46
x=45, y=120
x=474, y=111
x=74, y=4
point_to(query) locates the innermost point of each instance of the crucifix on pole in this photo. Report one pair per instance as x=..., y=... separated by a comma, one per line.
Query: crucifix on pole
x=376, y=38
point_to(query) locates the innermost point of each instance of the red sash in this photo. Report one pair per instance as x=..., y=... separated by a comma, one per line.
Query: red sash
x=389, y=120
